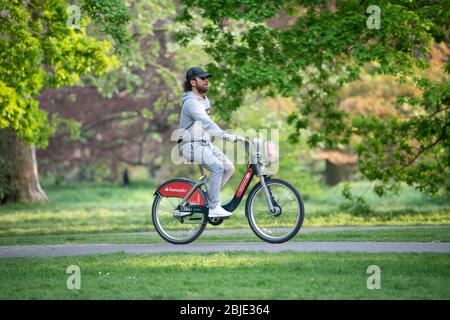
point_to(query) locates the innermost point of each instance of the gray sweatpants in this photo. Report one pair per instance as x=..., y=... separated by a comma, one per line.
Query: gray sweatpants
x=212, y=158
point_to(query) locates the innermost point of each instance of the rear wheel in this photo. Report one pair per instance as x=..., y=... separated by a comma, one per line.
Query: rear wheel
x=282, y=225
x=176, y=230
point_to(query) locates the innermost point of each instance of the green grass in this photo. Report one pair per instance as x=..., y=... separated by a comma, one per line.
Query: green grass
x=106, y=209
x=419, y=234
x=110, y=214
x=408, y=200
x=229, y=276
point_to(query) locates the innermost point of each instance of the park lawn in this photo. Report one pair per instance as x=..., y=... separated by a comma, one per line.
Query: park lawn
x=239, y=275
x=101, y=220
x=106, y=209
x=416, y=234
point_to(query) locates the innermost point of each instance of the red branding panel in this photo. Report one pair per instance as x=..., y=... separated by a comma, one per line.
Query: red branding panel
x=244, y=182
x=180, y=189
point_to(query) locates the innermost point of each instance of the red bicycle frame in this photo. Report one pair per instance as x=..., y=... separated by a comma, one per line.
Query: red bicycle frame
x=194, y=195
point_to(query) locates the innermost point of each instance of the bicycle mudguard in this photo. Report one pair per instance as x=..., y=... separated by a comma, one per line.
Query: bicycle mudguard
x=179, y=188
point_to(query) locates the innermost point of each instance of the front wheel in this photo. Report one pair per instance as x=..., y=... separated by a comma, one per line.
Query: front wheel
x=280, y=226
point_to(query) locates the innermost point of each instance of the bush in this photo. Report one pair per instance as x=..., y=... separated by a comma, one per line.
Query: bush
x=355, y=205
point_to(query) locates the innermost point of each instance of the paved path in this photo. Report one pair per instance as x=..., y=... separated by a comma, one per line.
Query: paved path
x=74, y=250
x=211, y=230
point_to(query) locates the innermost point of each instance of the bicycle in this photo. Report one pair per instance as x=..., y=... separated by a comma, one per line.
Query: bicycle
x=274, y=208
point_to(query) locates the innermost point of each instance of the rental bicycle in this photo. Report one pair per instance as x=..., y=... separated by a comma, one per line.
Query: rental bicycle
x=274, y=207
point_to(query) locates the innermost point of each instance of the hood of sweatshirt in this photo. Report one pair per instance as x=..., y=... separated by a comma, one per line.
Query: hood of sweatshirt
x=191, y=95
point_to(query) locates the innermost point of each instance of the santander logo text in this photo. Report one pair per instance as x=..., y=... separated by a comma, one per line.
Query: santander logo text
x=170, y=189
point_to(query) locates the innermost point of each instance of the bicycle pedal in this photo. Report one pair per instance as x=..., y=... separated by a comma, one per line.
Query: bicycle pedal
x=178, y=214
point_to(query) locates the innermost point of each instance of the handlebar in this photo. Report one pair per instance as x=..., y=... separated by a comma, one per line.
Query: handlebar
x=247, y=143
x=240, y=139
x=265, y=151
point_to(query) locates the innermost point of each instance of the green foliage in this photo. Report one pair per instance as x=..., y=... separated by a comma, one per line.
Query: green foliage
x=315, y=55
x=147, y=28
x=71, y=126
x=355, y=205
x=111, y=16
x=39, y=50
x=272, y=114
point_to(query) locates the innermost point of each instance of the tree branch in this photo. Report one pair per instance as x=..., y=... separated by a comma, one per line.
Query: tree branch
x=422, y=150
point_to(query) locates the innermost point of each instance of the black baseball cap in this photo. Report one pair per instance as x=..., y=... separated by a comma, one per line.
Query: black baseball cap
x=197, y=72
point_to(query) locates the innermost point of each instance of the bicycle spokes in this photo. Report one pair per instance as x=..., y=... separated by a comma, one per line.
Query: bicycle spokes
x=285, y=221
x=172, y=228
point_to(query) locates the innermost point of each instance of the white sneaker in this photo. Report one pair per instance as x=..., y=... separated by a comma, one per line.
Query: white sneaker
x=218, y=212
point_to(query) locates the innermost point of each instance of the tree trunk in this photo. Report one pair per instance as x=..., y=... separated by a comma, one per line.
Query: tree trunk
x=337, y=173
x=125, y=178
x=20, y=169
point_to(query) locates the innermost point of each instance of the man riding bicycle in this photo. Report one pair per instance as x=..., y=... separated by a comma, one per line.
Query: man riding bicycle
x=194, y=140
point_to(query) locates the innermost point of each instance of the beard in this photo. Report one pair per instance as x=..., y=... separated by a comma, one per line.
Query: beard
x=202, y=89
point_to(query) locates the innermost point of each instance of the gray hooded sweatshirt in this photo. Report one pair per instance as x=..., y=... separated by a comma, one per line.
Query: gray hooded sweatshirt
x=195, y=123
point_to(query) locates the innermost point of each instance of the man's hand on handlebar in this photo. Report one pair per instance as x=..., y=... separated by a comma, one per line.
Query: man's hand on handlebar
x=232, y=138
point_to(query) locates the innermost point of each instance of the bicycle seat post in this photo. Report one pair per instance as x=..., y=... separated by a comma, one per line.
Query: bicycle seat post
x=202, y=179
x=201, y=172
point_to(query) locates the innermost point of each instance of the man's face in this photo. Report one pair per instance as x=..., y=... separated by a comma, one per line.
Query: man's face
x=201, y=84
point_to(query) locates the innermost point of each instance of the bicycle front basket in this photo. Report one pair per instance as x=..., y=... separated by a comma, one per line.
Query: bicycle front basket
x=269, y=152
x=269, y=158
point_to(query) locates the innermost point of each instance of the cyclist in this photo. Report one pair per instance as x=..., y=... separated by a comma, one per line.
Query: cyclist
x=194, y=141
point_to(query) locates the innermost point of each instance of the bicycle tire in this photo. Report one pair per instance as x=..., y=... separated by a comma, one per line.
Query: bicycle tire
x=249, y=212
x=164, y=234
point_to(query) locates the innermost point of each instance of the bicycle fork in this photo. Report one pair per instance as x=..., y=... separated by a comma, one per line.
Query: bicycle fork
x=275, y=210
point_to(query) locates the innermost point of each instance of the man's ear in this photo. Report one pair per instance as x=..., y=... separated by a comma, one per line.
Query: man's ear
x=192, y=82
